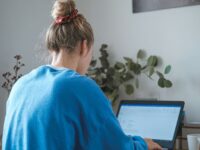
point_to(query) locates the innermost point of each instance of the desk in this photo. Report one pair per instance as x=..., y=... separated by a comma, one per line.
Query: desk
x=181, y=140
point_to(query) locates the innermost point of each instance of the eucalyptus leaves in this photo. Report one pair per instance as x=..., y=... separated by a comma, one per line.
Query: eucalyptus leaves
x=126, y=73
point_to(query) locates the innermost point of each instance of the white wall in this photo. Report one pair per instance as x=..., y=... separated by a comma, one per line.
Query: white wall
x=173, y=34
x=22, y=24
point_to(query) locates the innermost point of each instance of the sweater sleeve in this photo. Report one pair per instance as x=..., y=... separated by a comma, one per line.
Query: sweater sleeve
x=113, y=137
x=109, y=135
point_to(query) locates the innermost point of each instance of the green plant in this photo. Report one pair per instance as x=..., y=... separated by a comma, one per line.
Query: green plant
x=111, y=77
x=11, y=78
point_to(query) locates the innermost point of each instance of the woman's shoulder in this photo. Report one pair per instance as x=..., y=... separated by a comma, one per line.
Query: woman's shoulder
x=77, y=82
x=63, y=78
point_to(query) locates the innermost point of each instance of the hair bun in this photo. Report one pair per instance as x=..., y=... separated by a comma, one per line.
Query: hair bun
x=62, y=8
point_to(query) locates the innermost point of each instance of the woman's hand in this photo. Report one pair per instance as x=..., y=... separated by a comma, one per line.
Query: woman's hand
x=152, y=145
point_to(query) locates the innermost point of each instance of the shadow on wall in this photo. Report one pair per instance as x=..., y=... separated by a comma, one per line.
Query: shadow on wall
x=0, y=142
x=3, y=99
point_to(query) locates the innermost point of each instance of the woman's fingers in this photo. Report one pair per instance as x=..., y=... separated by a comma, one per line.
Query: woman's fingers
x=152, y=145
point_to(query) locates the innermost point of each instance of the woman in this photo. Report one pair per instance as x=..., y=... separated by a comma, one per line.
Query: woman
x=56, y=107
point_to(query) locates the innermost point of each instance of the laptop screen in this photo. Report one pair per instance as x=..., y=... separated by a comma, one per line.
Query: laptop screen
x=149, y=120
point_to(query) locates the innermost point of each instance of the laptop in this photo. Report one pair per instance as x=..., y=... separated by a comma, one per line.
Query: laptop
x=158, y=120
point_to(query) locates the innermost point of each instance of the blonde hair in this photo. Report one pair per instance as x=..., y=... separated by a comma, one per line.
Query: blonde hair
x=68, y=34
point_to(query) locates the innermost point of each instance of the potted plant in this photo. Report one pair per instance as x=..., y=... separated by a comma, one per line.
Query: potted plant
x=11, y=77
x=111, y=77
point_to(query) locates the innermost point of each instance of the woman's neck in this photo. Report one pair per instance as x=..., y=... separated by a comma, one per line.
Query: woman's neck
x=63, y=59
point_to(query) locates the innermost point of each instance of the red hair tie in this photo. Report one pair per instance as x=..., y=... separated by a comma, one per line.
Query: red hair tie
x=63, y=19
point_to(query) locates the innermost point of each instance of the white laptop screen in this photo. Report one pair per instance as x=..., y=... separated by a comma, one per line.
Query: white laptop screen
x=149, y=121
